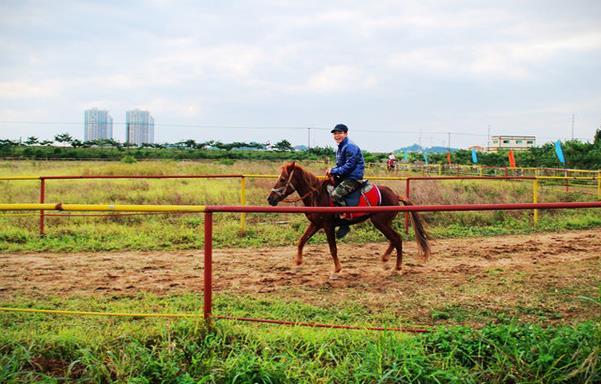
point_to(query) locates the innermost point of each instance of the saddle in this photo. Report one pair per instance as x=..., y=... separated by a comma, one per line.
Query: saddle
x=366, y=195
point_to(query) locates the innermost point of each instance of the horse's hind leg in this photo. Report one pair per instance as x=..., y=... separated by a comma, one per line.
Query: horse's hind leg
x=385, y=226
x=331, y=236
x=309, y=232
x=386, y=255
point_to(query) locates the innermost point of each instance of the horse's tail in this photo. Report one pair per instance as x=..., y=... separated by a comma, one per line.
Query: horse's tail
x=421, y=236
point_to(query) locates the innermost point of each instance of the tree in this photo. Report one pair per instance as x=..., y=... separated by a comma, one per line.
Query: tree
x=31, y=140
x=63, y=138
x=283, y=145
x=597, y=139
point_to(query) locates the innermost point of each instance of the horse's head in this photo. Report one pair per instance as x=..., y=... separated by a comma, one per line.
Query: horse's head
x=283, y=186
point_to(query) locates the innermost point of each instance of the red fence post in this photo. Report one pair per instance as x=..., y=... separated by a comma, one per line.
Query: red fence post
x=42, y=198
x=407, y=192
x=208, y=266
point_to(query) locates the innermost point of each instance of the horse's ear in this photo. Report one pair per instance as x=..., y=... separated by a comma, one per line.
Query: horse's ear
x=293, y=164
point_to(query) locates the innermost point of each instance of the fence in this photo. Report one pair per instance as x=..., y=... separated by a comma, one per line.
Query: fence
x=208, y=241
x=536, y=180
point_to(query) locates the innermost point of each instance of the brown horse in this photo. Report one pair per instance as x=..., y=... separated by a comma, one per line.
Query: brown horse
x=313, y=192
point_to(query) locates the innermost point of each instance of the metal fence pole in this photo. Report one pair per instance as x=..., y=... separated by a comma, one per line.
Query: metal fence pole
x=599, y=185
x=535, y=199
x=208, y=265
x=407, y=193
x=242, y=202
x=42, y=198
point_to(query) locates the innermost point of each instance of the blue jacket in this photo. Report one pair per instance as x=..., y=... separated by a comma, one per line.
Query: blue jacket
x=349, y=161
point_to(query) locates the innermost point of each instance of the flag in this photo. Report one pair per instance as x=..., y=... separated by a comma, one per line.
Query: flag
x=449, y=157
x=559, y=152
x=426, y=157
x=511, y=159
x=474, y=156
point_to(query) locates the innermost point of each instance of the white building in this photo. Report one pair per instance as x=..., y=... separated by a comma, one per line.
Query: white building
x=98, y=125
x=516, y=143
x=139, y=127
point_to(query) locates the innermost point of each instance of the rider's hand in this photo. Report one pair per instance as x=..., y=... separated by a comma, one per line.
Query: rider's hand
x=328, y=172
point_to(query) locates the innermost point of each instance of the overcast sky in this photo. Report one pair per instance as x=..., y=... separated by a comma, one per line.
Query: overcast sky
x=268, y=70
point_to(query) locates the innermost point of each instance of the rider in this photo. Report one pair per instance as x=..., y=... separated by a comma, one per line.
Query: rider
x=348, y=171
x=391, y=159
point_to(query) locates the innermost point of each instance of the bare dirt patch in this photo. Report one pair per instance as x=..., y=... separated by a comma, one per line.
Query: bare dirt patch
x=533, y=276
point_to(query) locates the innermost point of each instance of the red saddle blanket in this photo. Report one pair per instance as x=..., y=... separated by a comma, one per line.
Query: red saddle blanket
x=371, y=198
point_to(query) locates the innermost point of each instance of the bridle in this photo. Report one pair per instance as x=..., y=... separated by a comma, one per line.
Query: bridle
x=281, y=191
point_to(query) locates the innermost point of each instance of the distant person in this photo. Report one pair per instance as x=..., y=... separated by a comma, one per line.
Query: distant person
x=348, y=172
x=391, y=162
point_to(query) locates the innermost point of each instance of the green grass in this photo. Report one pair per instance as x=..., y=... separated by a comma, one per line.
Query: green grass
x=152, y=232
x=512, y=346
x=137, y=350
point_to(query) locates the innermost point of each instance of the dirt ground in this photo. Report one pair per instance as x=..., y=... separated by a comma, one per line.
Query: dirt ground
x=552, y=276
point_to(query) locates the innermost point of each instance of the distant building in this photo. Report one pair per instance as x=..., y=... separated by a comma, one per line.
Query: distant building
x=139, y=127
x=98, y=125
x=516, y=143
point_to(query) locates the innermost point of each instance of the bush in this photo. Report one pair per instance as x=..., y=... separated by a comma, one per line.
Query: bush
x=127, y=159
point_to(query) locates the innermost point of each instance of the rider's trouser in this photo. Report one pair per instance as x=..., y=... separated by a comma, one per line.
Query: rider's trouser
x=345, y=187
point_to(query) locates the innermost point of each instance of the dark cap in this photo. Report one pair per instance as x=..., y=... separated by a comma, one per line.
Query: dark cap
x=340, y=128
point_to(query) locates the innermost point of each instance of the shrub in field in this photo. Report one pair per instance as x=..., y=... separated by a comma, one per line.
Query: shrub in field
x=128, y=159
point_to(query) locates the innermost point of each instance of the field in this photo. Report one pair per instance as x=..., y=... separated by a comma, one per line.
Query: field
x=520, y=306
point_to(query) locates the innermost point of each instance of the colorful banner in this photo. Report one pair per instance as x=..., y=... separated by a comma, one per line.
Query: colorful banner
x=449, y=157
x=559, y=152
x=511, y=159
x=474, y=156
x=426, y=157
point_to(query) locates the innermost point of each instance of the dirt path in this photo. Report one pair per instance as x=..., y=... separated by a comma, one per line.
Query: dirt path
x=542, y=270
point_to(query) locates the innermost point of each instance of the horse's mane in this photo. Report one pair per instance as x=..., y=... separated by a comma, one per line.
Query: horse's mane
x=307, y=177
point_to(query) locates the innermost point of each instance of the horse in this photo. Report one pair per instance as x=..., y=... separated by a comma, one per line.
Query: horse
x=390, y=165
x=313, y=192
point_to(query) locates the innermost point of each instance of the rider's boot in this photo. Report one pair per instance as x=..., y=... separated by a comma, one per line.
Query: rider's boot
x=343, y=230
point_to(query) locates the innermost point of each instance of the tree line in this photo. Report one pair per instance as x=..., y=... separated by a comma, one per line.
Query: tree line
x=578, y=154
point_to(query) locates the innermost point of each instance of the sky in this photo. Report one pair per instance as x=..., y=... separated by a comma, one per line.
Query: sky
x=395, y=72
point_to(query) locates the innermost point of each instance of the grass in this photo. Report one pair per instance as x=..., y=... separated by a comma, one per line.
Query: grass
x=512, y=342
x=137, y=350
x=153, y=232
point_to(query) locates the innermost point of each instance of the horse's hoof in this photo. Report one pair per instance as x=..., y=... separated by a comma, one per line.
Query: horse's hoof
x=334, y=276
x=385, y=266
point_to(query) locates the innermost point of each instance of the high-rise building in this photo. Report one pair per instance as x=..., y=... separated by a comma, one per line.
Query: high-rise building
x=139, y=127
x=98, y=125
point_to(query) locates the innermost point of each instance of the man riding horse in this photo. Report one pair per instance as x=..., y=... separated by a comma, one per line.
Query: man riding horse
x=348, y=172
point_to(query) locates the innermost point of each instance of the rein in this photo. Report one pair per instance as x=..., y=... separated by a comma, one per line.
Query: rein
x=282, y=190
x=313, y=190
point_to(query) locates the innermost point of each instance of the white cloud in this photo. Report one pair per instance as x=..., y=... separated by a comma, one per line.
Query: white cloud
x=29, y=89
x=339, y=78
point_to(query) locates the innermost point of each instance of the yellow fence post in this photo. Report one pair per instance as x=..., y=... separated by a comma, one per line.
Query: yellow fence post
x=535, y=199
x=599, y=185
x=242, y=202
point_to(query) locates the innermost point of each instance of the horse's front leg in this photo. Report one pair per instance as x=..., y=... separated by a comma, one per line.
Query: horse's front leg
x=309, y=232
x=331, y=236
